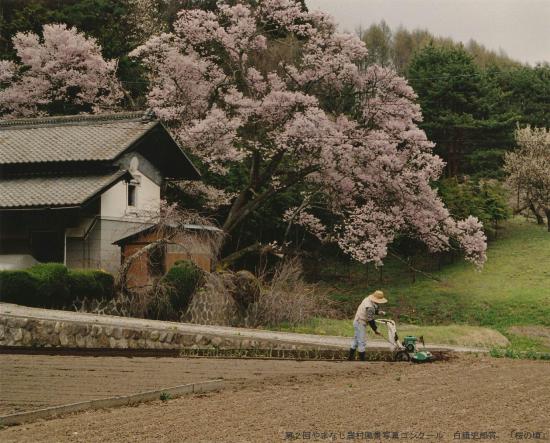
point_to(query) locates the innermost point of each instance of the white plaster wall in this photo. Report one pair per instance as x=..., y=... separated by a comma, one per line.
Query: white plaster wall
x=84, y=224
x=83, y=252
x=114, y=202
x=148, y=195
x=75, y=253
x=116, y=220
x=97, y=251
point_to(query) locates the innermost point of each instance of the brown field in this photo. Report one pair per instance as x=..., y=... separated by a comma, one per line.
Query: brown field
x=265, y=400
x=36, y=381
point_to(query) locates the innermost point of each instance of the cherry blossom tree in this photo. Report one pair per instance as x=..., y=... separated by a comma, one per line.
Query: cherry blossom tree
x=311, y=115
x=64, y=73
x=529, y=169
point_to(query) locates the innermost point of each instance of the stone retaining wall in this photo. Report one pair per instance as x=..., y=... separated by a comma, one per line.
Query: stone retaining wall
x=21, y=331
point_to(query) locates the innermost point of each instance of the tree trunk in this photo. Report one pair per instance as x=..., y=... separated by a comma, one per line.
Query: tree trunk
x=410, y=264
x=540, y=219
x=239, y=254
x=247, y=201
x=547, y=212
x=122, y=276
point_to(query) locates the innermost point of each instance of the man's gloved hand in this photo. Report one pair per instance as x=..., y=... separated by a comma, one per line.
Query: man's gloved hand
x=382, y=312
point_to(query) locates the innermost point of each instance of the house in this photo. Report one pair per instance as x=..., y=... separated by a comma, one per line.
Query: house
x=70, y=187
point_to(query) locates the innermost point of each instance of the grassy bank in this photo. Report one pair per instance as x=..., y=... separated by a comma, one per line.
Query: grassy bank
x=511, y=292
x=459, y=335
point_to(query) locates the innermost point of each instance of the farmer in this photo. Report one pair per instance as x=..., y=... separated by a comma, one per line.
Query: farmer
x=365, y=314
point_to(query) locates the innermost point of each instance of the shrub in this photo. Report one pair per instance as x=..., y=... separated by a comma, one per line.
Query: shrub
x=92, y=284
x=182, y=280
x=53, y=284
x=287, y=298
x=107, y=283
x=485, y=199
x=284, y=298
x=18, y=287
x=158, y=302
x=83, y=284
x=246, y=289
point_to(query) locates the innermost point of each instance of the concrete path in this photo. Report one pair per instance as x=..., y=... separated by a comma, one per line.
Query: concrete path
x=17, y=311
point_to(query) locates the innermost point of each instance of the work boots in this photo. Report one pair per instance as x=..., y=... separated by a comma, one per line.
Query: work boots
x=351, y=355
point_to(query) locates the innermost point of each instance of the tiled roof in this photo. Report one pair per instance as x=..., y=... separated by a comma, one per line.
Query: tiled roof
x=74, y=138
x=147, y=229
x=54, y=191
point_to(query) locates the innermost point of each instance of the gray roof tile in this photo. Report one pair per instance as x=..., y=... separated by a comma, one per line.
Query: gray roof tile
x=77, y=138
x=55, y=191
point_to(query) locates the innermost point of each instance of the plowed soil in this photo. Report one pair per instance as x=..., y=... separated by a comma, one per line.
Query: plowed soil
x=29, y=382
x=274, y=401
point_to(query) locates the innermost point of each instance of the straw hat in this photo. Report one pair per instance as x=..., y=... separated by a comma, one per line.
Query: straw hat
x=377, y=297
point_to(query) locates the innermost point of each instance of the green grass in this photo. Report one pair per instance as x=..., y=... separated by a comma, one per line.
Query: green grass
x=512, y=289
x=511, y=352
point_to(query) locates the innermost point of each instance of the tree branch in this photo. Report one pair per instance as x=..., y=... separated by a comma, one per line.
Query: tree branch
x=425, y=274
x=239, y=215
x=231, y=258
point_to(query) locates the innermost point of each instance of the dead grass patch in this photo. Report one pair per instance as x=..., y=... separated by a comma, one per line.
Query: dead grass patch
x=541, y=333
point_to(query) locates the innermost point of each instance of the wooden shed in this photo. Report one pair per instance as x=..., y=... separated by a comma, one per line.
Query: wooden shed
x=186, y=245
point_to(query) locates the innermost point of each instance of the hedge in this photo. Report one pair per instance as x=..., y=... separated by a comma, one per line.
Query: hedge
x=91, y=283
x=52, y=285
x=18, y=287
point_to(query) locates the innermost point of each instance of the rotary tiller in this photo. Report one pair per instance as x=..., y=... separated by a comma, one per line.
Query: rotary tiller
x=405, y=350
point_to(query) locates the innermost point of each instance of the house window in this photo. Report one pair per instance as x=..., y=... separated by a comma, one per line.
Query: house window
x=132, y=194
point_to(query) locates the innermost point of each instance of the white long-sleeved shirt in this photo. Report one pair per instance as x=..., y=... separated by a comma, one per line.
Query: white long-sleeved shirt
x=366, y=312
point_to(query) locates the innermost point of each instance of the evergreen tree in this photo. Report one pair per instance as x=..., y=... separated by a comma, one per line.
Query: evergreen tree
x=464, y=110
x=528, y=92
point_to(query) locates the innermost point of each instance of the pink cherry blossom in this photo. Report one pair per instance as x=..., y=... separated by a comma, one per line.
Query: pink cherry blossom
x=64, y=67
x=306, y=220
x=277, y=89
